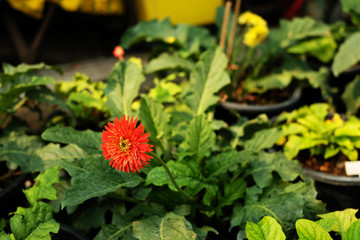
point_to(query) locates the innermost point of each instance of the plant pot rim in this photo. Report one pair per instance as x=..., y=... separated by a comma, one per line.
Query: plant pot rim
x=6, y=191
x=332, y=179
x=271, y=108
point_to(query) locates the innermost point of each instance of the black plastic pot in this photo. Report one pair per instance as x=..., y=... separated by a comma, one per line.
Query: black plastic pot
x=338, y=192
x=270, y=110
x=12, y=196
x=68, y=232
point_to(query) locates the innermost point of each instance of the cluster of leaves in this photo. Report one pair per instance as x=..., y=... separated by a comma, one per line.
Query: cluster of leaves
x=35, y=221
x=224, y=168
x=21, y=86
x=85, y=98
x=339, y=223
x=324, y=134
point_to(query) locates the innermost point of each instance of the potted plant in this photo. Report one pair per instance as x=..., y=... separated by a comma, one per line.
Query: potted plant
x=333, y=46
x=264, y=77
x=322, y=141
x=189, y=175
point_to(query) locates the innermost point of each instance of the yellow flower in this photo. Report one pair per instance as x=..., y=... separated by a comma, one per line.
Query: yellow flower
x=252, y=19
x=255, y=35
x=171, y=39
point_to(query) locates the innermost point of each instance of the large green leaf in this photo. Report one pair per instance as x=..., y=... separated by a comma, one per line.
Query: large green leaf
x=91, y=177
x=321, y=48
x=34, y=223
x=267, y=228
x=186, y=175
x=23, y=83
x=148, y=31
x=352, y=7
x=88, y=140
x=200, y=138
x=26, y=68
x=286, y=208
x=155, y=119
x=122, y=87
x=43, y=188
x=263, y=139
x=347, y=55
x=166, y=61
x=309, y=230
x=262, y=167
x=353, y=232
x=300, y=28
x=21, y=150
x=226, y=161
x=351, y=95
x=169, y=227
x=115, y=232
x=208, y=77
x=343, y=220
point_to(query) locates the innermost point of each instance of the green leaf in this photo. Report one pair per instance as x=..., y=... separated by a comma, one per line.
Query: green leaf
x=166, y=61
x=351, y=96
x=21, y=150
x=122, y=87
x=25, y=83
x=200, y=138
x=187, y=176
x=147, y=31
x=169, y=227
x=309, y=230
x=267, y=228
x=4, y=236
x=263, y=139
x=226, y=161
x=321, y=48
x=352, y=7
x=26, y=68
x=115, y=232
x=208, y=77
x=353, y=232
x=34, y=223
x=343, y=220
x=232, y=192
x=88, y=140
x=93, y=177
x=262, y=167
x=155, y=119
x=43, y=188
x=286, y=208
x=301, y=28
x=347, y=55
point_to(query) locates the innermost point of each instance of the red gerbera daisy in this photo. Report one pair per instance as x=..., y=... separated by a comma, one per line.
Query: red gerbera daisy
x=125, y=145
x=118, y=52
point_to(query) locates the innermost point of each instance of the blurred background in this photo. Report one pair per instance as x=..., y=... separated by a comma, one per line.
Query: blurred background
x=64, y=31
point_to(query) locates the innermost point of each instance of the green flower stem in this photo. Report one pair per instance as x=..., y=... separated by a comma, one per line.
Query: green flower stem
x=172, y=177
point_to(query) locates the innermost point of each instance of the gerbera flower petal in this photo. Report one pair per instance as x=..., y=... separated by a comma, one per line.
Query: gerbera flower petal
x=125, y=145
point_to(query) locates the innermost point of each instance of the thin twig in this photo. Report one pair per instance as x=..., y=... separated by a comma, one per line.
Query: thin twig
x=233, y=29
x=224, y=26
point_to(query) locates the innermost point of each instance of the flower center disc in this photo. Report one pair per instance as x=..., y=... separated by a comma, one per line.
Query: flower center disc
x=124, y=145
